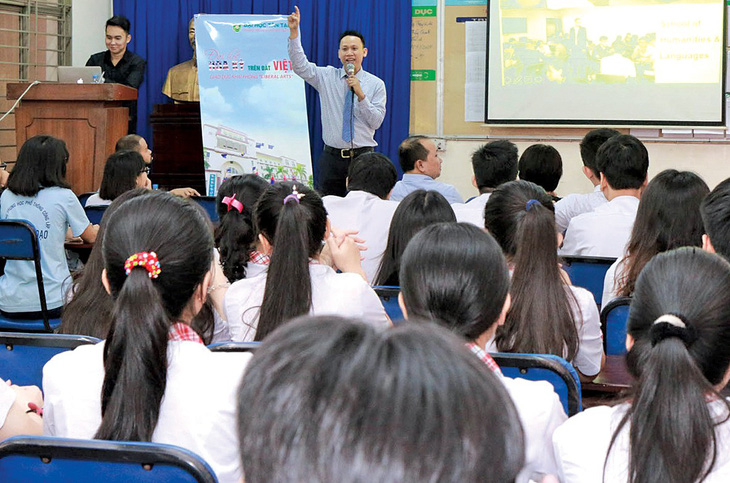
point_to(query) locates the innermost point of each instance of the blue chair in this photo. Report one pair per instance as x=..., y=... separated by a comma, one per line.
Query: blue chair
x=389, y=297
x=208, y=204
x=588, y=272
x=30, y=459
x=544, y=367
x=18, y=241
x=234, y=346
x=85, y=196
x=95, y=213
x=22, y=356
x=613, y=325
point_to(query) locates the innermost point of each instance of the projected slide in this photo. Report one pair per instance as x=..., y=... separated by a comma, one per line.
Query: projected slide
x=606, y=61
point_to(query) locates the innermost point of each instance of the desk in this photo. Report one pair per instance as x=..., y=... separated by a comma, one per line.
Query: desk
x=83, y=249
x=611, y=384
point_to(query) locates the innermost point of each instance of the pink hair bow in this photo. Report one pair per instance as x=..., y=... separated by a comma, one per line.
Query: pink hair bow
x=232, y=202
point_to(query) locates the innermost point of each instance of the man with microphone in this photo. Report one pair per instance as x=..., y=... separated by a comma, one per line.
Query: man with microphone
x=353, y=105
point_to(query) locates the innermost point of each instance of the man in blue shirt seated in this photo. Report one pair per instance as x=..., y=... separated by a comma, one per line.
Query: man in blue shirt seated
x=421, y=166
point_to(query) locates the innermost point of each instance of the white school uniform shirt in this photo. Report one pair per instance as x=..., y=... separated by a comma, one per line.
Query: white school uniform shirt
x=611, y=279
x=344, y=294
x=590, y=339
x=581, y=444
x=96, y=200
x=370, y=216
x=198, y=410
x=471, y=211
x=540, y=413
x=7, y=399
x=576, y=204
x=604, y=232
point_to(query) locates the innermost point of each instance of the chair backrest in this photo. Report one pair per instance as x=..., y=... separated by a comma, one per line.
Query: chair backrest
x=388, y=296
x=208, y=204
x=234, y=346
x=22, y=356
x=31, y=459
x=95, y=213
x=85, y=196
x=588, y=272
x=613, y=325
x=544, y=367
x=18, y=241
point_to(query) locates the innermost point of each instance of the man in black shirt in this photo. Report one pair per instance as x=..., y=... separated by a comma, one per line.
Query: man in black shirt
x=119, y=65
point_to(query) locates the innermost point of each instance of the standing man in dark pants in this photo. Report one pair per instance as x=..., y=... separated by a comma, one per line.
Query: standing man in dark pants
x=353, y=105
x=119, y=65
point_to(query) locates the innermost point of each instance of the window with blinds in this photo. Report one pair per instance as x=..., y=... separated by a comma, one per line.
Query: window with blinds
x=35, y=38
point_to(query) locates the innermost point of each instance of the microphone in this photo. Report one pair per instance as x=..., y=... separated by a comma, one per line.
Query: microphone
x=350, y=69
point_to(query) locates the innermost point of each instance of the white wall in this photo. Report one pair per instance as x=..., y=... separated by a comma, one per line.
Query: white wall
x=709, y=160
x=87, y=28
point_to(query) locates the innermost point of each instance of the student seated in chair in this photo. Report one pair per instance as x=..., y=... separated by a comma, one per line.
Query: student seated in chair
x=623, y=162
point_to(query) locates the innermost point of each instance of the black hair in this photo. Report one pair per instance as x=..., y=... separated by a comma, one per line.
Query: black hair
x=235, y=235
x=119, y=21
x=353, y=33
x=135, y=352
x=668, y=217
x=541, y=319
x=328, y=399
x=493, y=164
x=672, y=421
x=590, y=144
x=455, y=275
x=410, y=151
x=417, y=210
x=624, y=161
x=130, y=142
x=295, y=231
x=120, y=174
x=41, y=164
x=373, y=173
x=542, y=165
x=715, y=211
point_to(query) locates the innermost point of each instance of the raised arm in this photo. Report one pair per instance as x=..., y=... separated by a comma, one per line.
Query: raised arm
x=300, y=65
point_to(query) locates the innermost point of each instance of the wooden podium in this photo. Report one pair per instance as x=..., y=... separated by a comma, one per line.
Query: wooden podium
x=89, y=117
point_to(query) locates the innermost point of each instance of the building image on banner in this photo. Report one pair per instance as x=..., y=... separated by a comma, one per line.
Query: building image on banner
x=252, y=106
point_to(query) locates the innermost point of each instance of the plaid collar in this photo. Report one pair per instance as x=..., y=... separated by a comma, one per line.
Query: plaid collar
x=183, y=332
x=259, y=258
x=485, y=357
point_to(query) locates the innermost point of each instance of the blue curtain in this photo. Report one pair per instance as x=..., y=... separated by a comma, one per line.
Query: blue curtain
x=159, y=34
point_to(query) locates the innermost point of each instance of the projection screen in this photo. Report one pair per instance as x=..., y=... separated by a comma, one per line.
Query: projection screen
x=628, y=62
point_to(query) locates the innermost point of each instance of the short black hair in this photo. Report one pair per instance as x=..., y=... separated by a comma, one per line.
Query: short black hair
x=494, y=163
x=624, y=161
x=119, y=21
x=715, y=211
x=120, y=174
x=41, y=164
x=542, y=165
x=410, y=151
x=372, y=172
x=590, y=144
x=353, y=33
x=130, y=142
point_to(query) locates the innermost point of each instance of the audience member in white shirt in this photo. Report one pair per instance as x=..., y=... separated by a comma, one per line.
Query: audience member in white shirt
x=548, y=316
x=541, y=164
x=623, y=163
x=715, y=211
x=675, y=426
x=366, y=209
x=417, y=211
x=293, y=227
x=579, y=203
x=332, y=399
x=152, y=379
x=494, y=163
x=668, y=218
x=123, y=171
x=454, y=274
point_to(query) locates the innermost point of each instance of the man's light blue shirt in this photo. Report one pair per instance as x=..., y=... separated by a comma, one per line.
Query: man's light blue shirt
x=413, y=182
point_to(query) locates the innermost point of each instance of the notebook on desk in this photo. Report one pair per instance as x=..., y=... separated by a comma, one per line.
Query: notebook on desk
x=78, y=75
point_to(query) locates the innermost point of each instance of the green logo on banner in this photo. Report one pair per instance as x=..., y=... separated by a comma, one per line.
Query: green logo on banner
x=423, y=75
x=424, y=11
x=237, y=28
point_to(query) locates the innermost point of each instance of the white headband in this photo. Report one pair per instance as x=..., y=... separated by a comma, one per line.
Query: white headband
x=671, y=320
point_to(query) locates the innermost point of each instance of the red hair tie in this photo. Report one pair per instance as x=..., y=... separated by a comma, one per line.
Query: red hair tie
x=232, y=202
x=148, y=260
